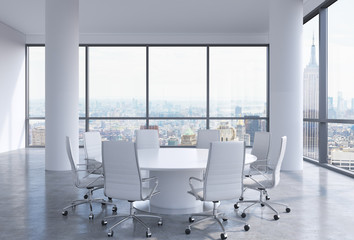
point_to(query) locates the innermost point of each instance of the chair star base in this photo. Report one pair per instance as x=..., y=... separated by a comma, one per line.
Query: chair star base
x=89, y=200
x=133, y=216
x=263, y=194
x=212, y=215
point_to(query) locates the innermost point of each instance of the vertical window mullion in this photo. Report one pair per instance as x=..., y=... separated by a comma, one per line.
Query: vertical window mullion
x=323, y=86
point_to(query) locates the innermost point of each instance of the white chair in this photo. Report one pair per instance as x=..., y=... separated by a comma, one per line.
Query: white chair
x=260, y=149
x=89, y=182
x=123, y=181
x=206, y=136
x=93, y=152
x=222, y=180
x=147, y=138
x=264, y=182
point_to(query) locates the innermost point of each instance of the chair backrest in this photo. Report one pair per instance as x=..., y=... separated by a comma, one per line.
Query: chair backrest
x=224, y=173
x=206, y=136
x=261, y=145
x=93, y=146
x=279, y=161
x=75, y=175
x=122, y=178
x=147, y=138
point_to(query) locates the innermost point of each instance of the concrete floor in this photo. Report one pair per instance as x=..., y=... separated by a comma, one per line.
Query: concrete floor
x=31, y=200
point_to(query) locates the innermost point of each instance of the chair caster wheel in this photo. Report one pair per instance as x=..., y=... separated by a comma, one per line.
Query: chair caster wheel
x=91, y=216
x=287, y=210
x=187, y=231
x=223, y=236
x=224, y=219
x=86, y=196
x=276, y=217
x=243, y=215
x=110, y=199
x=64, y=213
x=241, y=198
x=114, y=209
x=267, y=198
x=148, y=234
x=246, y=227
x=236, y=206
x=159, y=223
x=191, y=219
x=262, y=204
x=104, y=222
x=110, y=234
x=103, y=204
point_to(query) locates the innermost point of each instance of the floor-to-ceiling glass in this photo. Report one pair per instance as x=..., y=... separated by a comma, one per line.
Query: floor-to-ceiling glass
x=341, y=84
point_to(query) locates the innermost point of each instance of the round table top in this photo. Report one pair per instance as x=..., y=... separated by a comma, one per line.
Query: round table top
x=177, y=159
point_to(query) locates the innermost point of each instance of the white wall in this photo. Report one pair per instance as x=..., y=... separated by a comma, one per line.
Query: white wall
x=12, y=89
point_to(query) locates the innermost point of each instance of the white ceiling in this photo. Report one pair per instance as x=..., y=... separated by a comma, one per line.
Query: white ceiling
x=146, y=16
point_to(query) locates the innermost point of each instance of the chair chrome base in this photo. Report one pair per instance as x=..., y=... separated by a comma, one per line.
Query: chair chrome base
x=263, y=194
x=88, y=199
x=213, y=215
x=131, y=215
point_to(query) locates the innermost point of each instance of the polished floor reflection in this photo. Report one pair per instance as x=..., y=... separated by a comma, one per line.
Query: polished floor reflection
x=32, y=198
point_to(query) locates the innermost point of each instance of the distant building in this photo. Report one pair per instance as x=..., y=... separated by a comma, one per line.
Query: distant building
x=38, y=136
x=189, y=138
x=247, y=139
x=227, y=133
x=238, y=111
x=331, y=111
x=311, y=105
x=343, y=158
x=173, y=141
x=252, y=126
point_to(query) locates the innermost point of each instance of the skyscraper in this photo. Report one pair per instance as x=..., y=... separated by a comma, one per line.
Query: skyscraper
x=311, y=106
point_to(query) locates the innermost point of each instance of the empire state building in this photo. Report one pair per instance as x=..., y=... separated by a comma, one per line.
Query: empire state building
x=311, y=98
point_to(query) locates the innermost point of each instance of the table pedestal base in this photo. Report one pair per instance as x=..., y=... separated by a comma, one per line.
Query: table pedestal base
x=173, y=197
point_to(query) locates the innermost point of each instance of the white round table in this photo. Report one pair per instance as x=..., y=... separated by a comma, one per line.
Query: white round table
x=174, y=167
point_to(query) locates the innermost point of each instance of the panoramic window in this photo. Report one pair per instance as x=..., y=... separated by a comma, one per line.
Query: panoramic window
x=163, y=88
x=238, y=89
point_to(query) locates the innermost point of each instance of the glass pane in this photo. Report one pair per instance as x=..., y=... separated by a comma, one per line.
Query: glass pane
x=177, y=78
x=340, y=60
x=82, y=81
x=310, y=148
x=117, y=78
x=117, y=130
x=36, y=133
x=36, y=81
x=178, y=132
x=311, y=69
x=239, y=130
x=238, y=81
x=341, y=145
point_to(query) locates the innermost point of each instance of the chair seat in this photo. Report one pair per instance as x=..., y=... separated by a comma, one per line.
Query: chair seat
x=260, y=182
x=198, y=193
x=93, y=164
x=90, y=182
